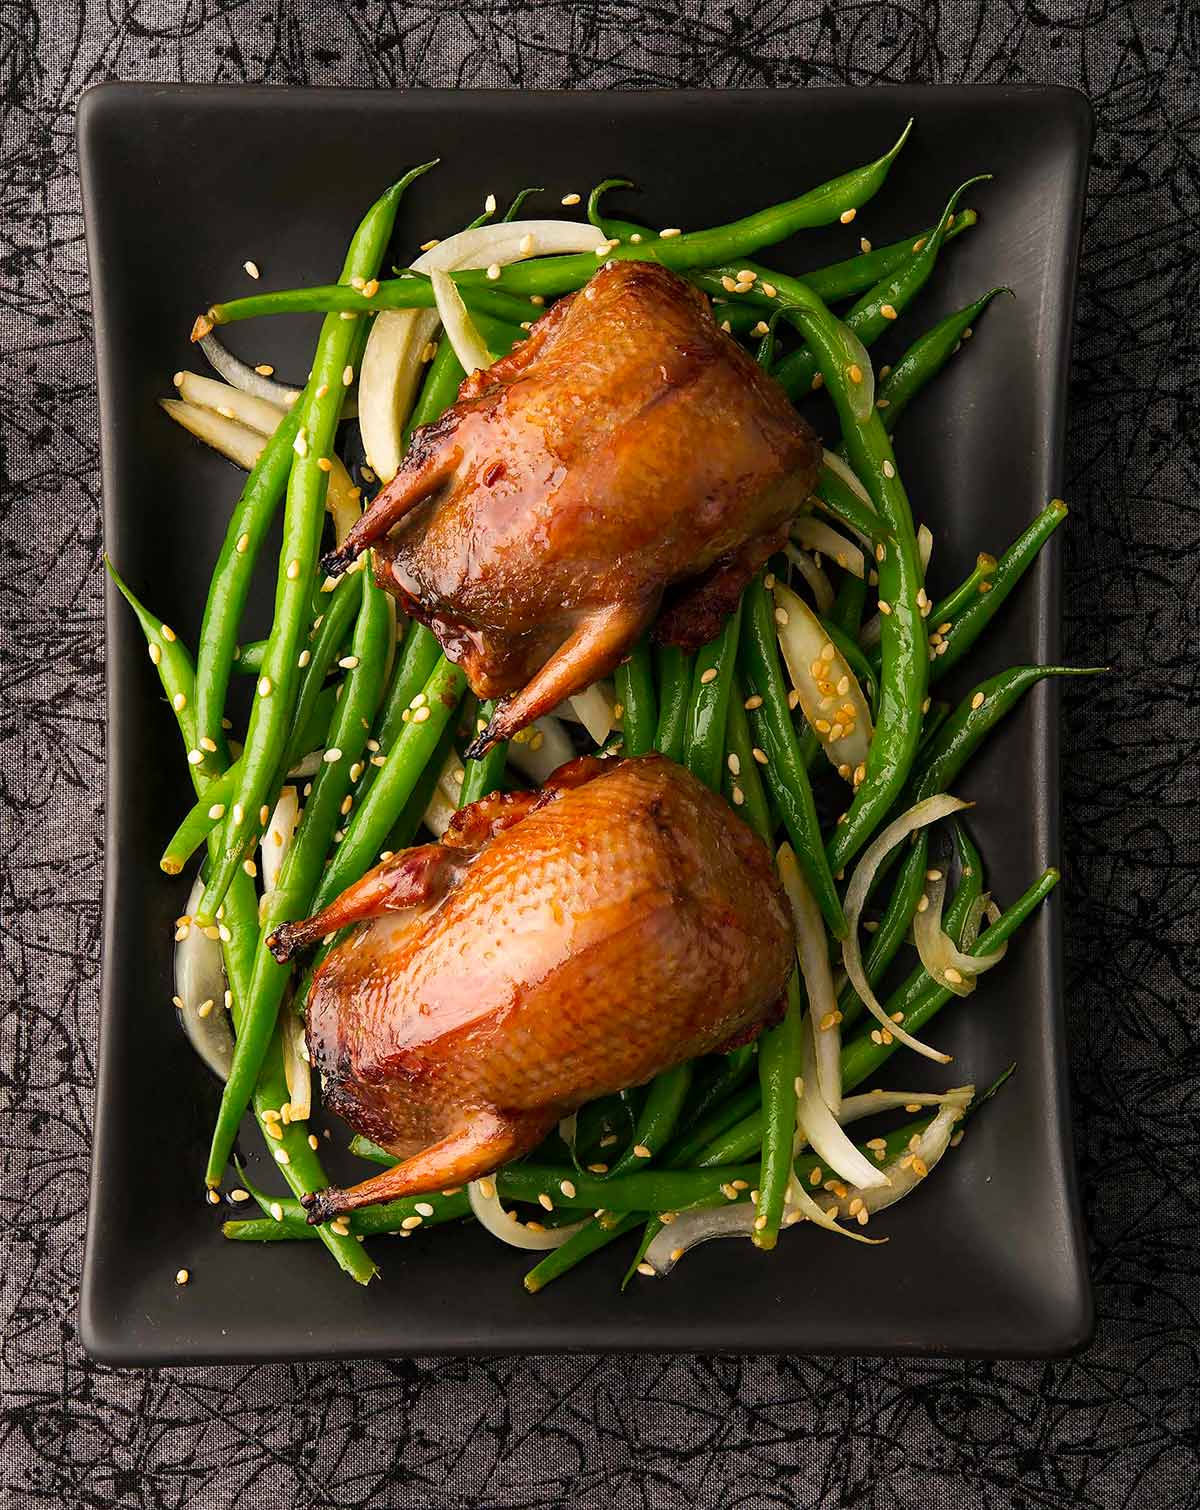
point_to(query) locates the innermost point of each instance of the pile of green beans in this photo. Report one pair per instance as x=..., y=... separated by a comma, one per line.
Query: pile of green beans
x=387, y=710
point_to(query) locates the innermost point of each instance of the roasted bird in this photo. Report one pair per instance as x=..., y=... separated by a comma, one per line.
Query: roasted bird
x=629, y=457
x=553, y=947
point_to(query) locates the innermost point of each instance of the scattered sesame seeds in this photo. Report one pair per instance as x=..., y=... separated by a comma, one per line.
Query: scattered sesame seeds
x=847, y=216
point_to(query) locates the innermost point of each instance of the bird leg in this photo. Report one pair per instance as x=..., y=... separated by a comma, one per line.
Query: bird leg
x=424, y=470
x=592, y=649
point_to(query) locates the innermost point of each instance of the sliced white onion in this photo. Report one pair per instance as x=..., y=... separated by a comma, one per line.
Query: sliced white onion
x=594, y=711
x=813, y=953
x=816, y=535
x=233, y=441
x=296, y=1069
x=307, y=765
x=982, y=907
x=391, y=364
x=848, y=475
x=871, y=1103
x=469, y=345
x=924, y=547
x=200, y=978
x=206, y=393
x=918, y=816
x=243, y=446
x=819, y=584
x=820, y=1126
x=805, y=644
x=938, y=951
x=799, y=1206
x=699, y=1225
x=505, y=1225
x=278, y=836
x=241, y=375
x=903, y=1174
x=539, y=759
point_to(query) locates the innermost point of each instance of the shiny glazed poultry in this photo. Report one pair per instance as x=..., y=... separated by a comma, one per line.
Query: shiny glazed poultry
x=555, y=946
x=629, y=449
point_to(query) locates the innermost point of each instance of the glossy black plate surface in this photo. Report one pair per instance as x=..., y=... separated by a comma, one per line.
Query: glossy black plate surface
x=183, y=185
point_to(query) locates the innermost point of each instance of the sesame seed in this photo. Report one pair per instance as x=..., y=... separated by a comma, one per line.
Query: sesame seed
x=671, y=230
x=761, y=329
x=876, y=1036
x=922, y=903
x=487, y=1190
x=884, y=608
x=567, y=1187
x=276, y=1211
x=281, y=1156
x=734, y=764
x=410, y=1223
x=538, y=299
x=179, y=702
x=919, y=1167
x=708, y=676
x=332, y=755
x=957, y=1138
x=769, y=289
x=760, y=1222
x=597, y=1168
x=737, y=795
x=888, y=311
x=264, y=686
x=953, y=975
x=726, y=327
x=647, y=1269
x=888, y=469
x=570, y=199
x=182, y=1276
x=753, y=702
x=781, y=616
x=854, y=372
x=847, y=216
x=640, y=1151
x=493, y=271
x=545, y=1202
x=293, y=570
x=978, y=700
x=818, y=381
x=194, y=757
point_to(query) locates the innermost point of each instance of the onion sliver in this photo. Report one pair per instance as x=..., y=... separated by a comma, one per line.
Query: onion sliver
x=699, y=1225
x=816, y=535
x=505, y=1225
x=813, y=953
x=943, y=960
x=819, y=583
x=871, y=1103
x=296, y=1069
x=200, y=978
x=918, y=816
x=540, y=758
x=820, y=1126
x=239, y=374
x=278, y=837
x=205, y=392
x=468, y=344
x=799, y=1206
x=924, y=547
x=907, y=1172
x=391, y=364
x=846, y=473
x=443, y=800
x=594, y=712
x=826, y=684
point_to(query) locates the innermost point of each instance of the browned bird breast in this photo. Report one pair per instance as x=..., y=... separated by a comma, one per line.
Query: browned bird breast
x=629, y=449
x=554, y=947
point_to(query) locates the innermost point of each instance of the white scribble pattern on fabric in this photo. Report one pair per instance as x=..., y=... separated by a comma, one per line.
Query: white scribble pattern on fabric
x=1116, y=1426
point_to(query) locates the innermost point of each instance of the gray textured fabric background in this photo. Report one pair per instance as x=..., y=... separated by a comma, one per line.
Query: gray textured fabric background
x=1118, y=1426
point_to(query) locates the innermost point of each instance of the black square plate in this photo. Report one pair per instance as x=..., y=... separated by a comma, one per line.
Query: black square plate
x=182, y=185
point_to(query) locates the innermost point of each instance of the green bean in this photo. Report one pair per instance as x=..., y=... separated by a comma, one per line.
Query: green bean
x=705, y=1132
x=170, y=657
x=779, y=1058
x=407, y=827
x=712, y=677
x=820, y=206
x=785, y=771
x=656, y=1121
x=578, y=1246
x=966, y=592
x=935, y=717
x=248, y=658
x=410, y=291
x=301, y=868
x=362, y=1148
x=849, y=604
x=673, y=668
x=202, y=817
x=839, y=499
x=230, y=584
x=741, y=1141
x=370, y=1221
x=636, y=696
x=877, y=308
x=901, y=591
x=484, y=776
x=840, y=280
x=741, y=783
x=893, y=926
x=920, y=998
x=238, y=929
x=304, y=511
x=651, y=1190
x=974, y=719
x=519, y=199
x=926, y=357
x=397, y=776
x=1012, y=566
